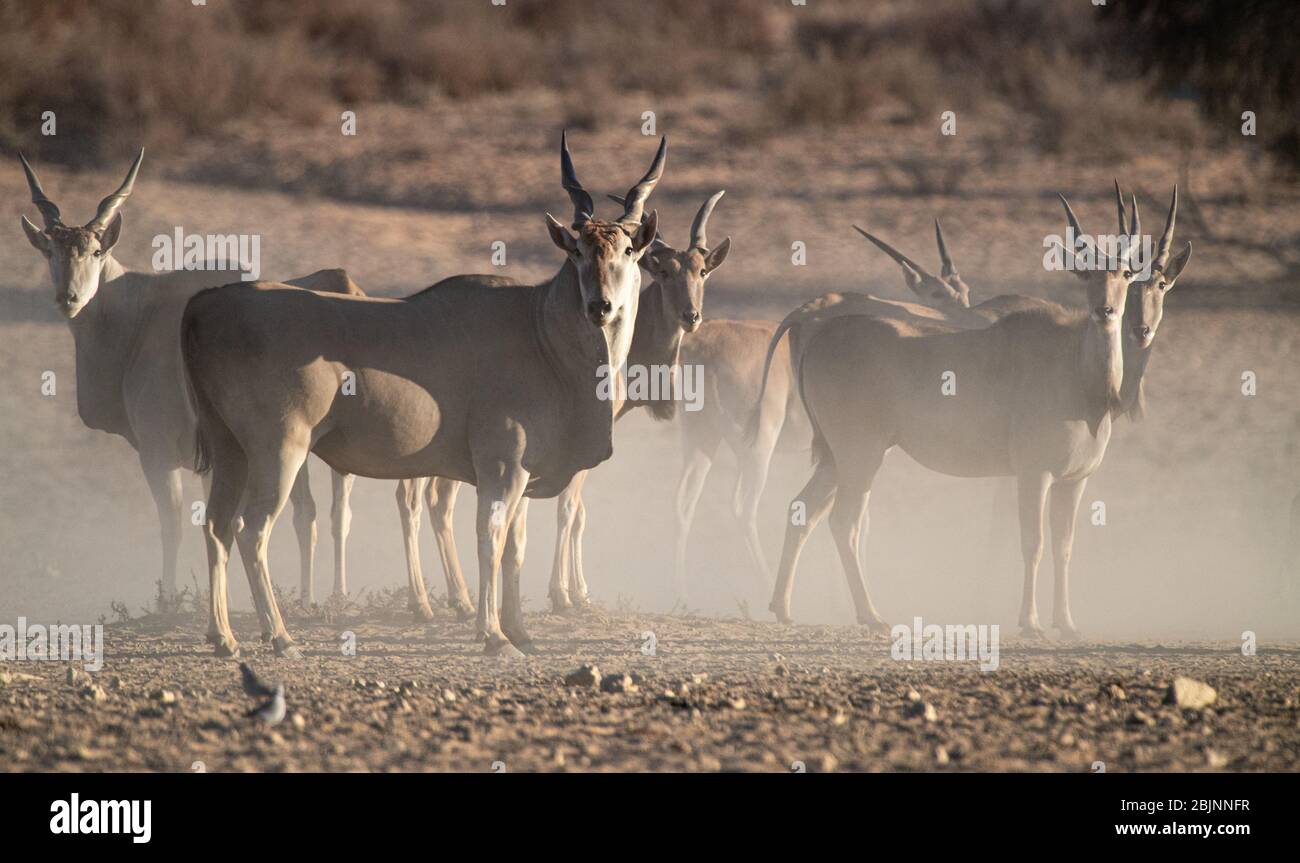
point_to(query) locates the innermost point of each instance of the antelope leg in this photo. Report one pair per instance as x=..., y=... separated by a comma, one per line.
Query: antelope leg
x=1032, y=493
x=410, y=506
x=304, y=526
x=166, y=486
x=512, y=564
x=340, y=524
x=442, y=510
x=1064, y=511
x=500, y=489
x=804, y=512
x=270, y=477
x=695, y=471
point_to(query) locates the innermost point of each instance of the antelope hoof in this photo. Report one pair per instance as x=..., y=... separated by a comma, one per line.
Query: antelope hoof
x=1069, y=632
x=464, y=611
x=225, y=648
x=266, y=638
x=875, y=625
x=1032, y=630
x=423, y=613
x=499, y=645
x=561, y=604
x=782, y=613
x=526, y=646
x=520, y=639
x=286, y=648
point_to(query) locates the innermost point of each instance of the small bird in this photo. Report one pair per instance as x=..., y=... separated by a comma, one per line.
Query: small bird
x=254, y=686
x=272, y=712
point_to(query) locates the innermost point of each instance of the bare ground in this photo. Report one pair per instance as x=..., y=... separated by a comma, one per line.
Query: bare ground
x=715, y=695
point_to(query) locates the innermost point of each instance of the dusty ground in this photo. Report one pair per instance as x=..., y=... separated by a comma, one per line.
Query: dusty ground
x=716, y=695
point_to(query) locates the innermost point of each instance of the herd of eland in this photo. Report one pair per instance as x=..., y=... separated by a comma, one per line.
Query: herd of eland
x=516, y=389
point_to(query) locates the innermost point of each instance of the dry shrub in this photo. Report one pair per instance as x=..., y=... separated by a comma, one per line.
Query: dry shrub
x=1079, y=109
x=1068, y=73
x=118, y=71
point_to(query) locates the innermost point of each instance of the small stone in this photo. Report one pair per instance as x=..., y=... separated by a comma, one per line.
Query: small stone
x=586, y=677
x=164, y=696
x=9, y=677
x=736, y=703
x=298, y=722
x=448, y=696
x=617, y=683
x=77, y=677
x=1138, y=717
x=1190, y=694
x=923, y=710
x=1114, y=692
x=1215, y=760
x=941, y=756
x=93, y=692
x=912, y=695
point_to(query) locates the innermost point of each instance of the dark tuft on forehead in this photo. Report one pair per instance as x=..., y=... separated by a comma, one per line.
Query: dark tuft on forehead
x=76, y=238
x=602, y=233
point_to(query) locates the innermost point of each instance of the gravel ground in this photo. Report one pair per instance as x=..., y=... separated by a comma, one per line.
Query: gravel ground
x=690, y=694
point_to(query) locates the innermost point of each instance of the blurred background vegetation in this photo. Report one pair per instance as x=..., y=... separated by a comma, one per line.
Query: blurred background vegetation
x=1071, y=77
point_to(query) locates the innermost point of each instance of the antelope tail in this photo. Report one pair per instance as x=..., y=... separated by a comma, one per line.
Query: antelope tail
x=755, y=419
x=203, y=410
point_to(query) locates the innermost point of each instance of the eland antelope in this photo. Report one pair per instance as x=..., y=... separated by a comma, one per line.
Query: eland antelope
x=126, y=331
x=1033, y=398
x=732, y=355
x=669, y=307
x=491, y=387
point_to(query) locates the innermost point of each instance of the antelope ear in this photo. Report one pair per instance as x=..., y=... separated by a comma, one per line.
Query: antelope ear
x=911, y=278
x=1176, y=263
x=646, y=232
x=112, y=233
x=653, y=264
x=1058, y=253
x=560, y=235
x=36, y=237
x=718, y=255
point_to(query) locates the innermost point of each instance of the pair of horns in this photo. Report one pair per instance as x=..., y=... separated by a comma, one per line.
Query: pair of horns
x=698, y=238
x=1133, y=225
x=1079, y=232
x=584, y=209
x=949, y=268
x=107, y=208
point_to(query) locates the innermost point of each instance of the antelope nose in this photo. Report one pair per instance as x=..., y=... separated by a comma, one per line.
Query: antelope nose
x=599, y=310
x=1144, y=332
x=691, y=318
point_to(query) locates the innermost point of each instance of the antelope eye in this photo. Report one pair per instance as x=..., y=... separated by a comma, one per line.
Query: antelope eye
x=628, y=251
x=1128, y=274
x=704, y=272
x=99, y=253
